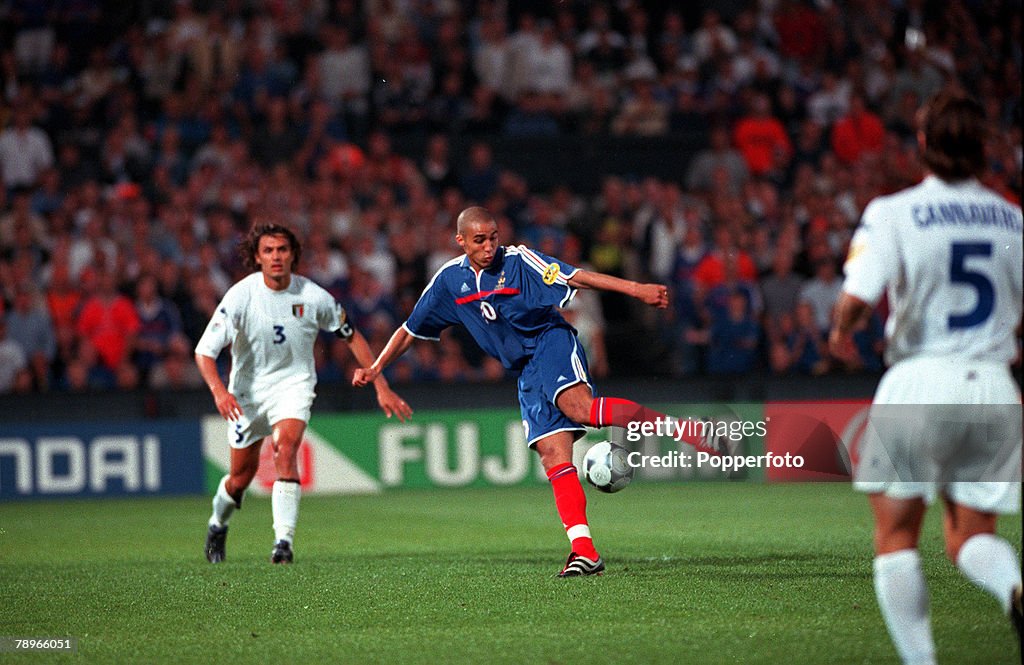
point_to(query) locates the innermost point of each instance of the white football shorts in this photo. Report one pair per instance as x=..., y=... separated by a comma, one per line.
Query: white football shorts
x=270, y=407
x=946, y=425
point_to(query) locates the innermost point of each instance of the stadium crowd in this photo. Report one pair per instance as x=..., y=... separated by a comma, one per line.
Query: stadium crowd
x=138, y=147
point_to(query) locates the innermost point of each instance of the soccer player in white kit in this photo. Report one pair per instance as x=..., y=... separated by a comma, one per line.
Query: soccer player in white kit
x=271, y=320
x=949, y=252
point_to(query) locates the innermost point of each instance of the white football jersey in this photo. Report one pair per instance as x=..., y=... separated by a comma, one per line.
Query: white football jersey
x=271, y=333
x=950, y=255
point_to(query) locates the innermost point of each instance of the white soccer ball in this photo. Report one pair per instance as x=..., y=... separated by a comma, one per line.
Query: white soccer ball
x=605, y=467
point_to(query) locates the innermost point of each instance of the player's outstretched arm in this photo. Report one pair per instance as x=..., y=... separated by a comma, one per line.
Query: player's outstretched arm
x=226, y=403
x=389, y=401
x=396, y=346
x=850, y=312
x=655, y=295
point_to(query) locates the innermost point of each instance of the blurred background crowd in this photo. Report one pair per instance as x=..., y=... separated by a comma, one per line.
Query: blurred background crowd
x=141, y=140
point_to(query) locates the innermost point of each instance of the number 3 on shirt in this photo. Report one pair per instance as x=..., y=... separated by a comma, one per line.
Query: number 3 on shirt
x=279, y=335
x=960, y=274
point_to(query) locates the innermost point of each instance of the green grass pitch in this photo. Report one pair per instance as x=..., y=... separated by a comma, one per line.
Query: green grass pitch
x=697, y=573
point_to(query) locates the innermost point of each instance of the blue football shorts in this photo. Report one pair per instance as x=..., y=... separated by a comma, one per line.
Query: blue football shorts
x=558, y=363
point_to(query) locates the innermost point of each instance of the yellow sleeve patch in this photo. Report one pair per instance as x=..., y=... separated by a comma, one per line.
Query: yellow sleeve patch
x=855, y=251
x=551, y=274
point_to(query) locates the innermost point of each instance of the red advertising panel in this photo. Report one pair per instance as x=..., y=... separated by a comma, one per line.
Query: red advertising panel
x=823, y=434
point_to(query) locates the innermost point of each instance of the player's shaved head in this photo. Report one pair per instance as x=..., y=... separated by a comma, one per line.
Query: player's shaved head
x=470, y=216
x=477, y=235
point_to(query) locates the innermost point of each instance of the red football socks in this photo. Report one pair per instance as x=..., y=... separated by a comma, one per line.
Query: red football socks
x=571, y=503
x=618, y=412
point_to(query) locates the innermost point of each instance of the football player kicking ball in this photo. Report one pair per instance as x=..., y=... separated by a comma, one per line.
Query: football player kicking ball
x=949, y=251
x=271, y=319
x=506, y=297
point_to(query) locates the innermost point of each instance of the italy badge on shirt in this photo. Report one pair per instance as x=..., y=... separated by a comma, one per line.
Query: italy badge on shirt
x=297, y=310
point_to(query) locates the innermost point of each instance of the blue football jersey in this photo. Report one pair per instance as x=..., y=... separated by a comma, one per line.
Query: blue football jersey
x=505, y=307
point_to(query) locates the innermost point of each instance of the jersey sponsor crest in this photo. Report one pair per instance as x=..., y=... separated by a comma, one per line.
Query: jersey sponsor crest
x=298, y=309
x=551, y=274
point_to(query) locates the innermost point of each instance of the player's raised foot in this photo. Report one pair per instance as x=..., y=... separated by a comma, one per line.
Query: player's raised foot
x=282, y=552
x=578, y=566
x=1016, y=614
x=216, y=538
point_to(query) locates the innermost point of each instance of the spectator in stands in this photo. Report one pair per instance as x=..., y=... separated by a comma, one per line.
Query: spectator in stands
x=521, y=44
x=479, y=180
x=780, y=358
x=548, y=67
x=277, y=140
x=492, y=56
x=780, y=292
x=49, y=196
x=176, y=370
x=215, y=53
x=821, y=292
x=801, y=30
x=805, y=344
x=126, y=376
x=761, y=138
x=25, y=150
x=916, y=76
x=109, y=322
x=22, y=229
x=28, y=324
x=604, y=49
x=530, y=116
x=397, y=97
x=713, y=39
x=33, y=27
x=712, y=270
x=323, y=263
x=599, y=29
x=857, y=133
x=63, y=299
x=719, y=155
x=673, y=41
x=831, y=101
x=159, y=324
x=718, y=298
x=344, y=74
x=642, y=114
x=437, y=167
x=15, y=372
x=83, y=370
x=734, y=337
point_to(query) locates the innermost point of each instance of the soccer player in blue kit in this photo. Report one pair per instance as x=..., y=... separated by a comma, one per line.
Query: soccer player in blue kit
x=506, y=297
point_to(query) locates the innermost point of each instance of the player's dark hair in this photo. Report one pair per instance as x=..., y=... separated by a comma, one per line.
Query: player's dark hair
x=251, y=244
x=954, y=135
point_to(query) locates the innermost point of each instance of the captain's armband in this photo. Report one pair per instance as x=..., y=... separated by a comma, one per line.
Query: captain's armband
x=346, y=331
